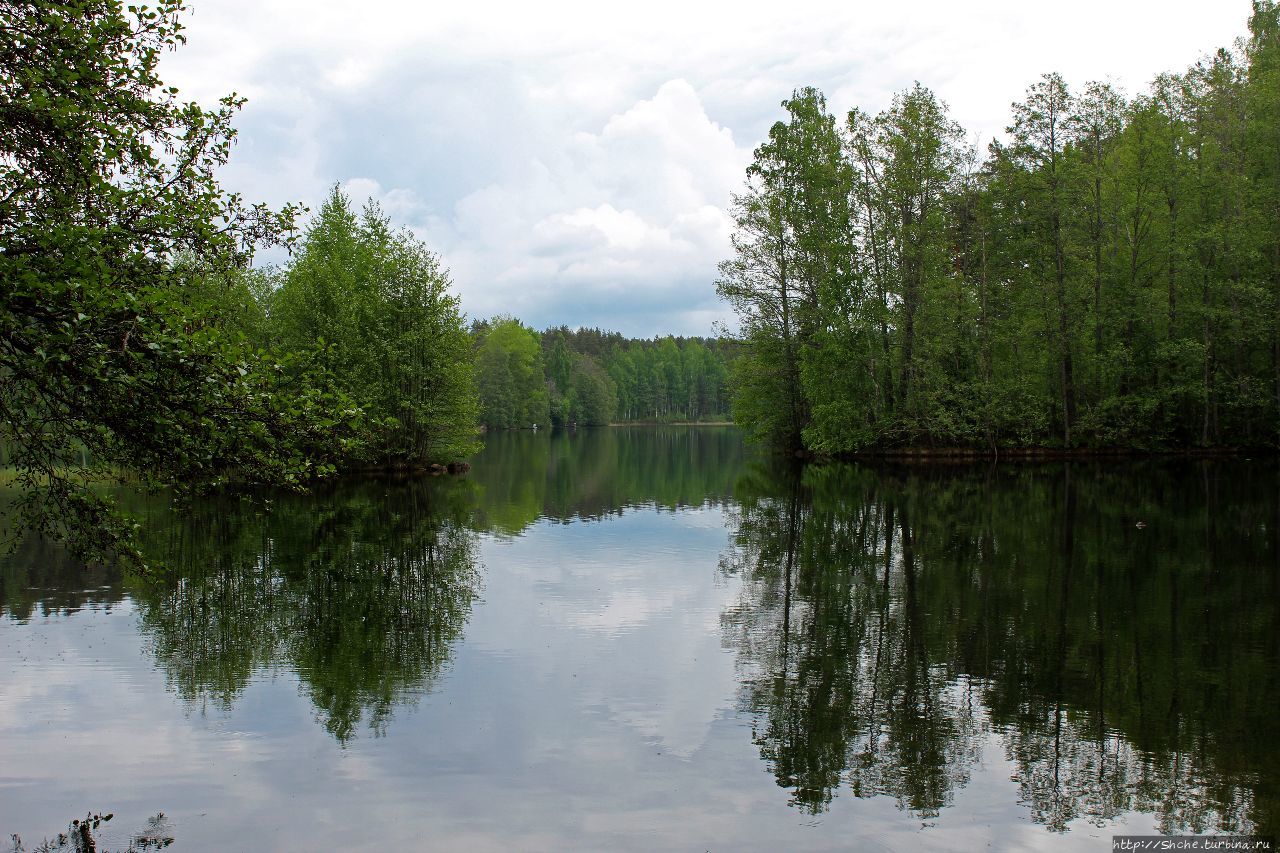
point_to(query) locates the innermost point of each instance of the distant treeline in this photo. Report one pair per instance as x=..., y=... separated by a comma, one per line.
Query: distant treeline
x=589, y=376
x=1108, y=276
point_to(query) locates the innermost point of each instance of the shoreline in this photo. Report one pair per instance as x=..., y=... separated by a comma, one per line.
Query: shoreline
x=1038, y=454
x=671, y=423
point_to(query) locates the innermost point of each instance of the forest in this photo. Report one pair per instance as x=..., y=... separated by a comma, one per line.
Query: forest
x=1107, y=277
x=588, y=377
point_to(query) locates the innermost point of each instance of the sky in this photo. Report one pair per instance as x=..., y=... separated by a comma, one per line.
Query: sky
x=573, y=162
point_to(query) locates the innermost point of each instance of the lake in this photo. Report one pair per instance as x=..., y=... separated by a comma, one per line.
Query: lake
x=652, y=638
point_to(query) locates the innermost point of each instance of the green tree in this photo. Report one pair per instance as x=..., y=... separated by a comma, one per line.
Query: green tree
x=559, y=373
x=1262, y=105
x=595, y=396
x=790, y=246
x=106, y=181
x=900, y=315
x=1039, y=137
x=372, y=306
x=510, y=376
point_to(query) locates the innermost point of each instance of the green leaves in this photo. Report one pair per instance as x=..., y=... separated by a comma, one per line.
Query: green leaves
x=113, y=358
x=1109, y=276
x=510, y=376
x=791, y=254
x=371, y=308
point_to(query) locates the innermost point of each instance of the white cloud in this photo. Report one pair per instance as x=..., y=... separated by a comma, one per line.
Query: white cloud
x=620, y=214
x=573, y=161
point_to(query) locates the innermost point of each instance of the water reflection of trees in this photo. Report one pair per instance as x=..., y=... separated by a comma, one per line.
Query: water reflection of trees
x=362, y=590
x=41, y=577
x=894, y=622
x=594, y=473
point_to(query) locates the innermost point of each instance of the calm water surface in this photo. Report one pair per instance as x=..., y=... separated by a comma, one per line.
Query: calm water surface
x=649, y=639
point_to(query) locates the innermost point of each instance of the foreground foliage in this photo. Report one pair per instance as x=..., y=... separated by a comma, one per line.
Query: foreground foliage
x=106, y=350
x=82, y=836
x=133, y=332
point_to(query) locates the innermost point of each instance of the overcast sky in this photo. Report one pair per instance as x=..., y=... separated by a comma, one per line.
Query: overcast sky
x=573, y=162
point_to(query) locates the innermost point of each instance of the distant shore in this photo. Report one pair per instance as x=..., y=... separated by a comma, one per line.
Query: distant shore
x=671, y=423
x=965, y=454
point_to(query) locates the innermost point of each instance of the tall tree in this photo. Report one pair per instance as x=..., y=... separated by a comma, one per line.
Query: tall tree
x=1039, y=136
x=1262, y=104
x=790, y=246
x=907, y=161
x=511, y=377
x=372, y=306
x=1094, y=127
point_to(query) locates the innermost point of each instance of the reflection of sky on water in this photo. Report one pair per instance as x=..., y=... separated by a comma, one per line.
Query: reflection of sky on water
x=631, y=635
x=591, y=704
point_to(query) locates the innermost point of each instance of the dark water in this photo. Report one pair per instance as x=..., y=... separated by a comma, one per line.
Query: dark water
x=645, y=639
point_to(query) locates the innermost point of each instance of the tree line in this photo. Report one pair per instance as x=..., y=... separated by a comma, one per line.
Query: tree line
x=563, y=377
x=1109, y=275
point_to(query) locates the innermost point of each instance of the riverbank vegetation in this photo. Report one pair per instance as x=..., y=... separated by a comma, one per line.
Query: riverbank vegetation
x=370, y=310
x=134, y=335
x=1108, y=276
x=589, y=377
